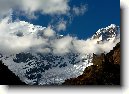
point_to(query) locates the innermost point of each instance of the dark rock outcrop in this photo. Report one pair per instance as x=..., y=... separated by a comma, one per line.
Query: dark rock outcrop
x=104, y=71
x=7, y=77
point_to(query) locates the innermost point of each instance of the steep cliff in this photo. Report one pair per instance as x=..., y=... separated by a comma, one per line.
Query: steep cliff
x=104, y=71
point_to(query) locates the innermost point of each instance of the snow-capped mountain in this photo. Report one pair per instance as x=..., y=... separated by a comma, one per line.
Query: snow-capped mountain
x=107, y=34
x=37, y=63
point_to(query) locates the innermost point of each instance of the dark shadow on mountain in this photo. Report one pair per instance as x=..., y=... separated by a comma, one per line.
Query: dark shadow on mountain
x=7, y=77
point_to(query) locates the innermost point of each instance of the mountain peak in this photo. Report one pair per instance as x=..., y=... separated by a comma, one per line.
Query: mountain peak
x=108, y=33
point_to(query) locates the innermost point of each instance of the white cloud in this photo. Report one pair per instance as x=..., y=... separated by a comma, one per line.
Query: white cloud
x=31, y=6
x=10, y=43
x=61, y=26
x=43, y=50
x=90, y=46
x=49, y=32
x=62, y=46
x=79, y=10
x=45, y=6
x=21, y=36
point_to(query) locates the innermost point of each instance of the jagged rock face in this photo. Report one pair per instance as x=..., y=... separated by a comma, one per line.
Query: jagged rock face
x=114, y=55
x=104, y=71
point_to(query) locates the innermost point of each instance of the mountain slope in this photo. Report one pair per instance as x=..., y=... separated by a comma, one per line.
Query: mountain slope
x=104, y=71
x=38, y=59
x=7, y=77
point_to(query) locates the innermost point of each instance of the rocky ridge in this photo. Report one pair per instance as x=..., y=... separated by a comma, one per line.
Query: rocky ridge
x=104, y=71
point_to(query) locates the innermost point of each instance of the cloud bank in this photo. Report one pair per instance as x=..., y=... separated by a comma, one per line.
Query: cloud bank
x=31, y=6
x=50, y=7
x=21, y=36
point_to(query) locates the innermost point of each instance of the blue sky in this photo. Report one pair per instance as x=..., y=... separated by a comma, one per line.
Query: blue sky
x=99, y=14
